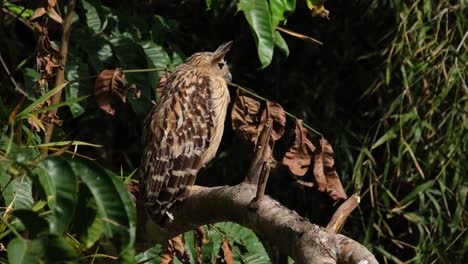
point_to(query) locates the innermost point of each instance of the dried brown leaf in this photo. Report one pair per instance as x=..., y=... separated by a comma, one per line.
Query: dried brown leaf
x=200, y=239
x=299, y=156
x=275, y=111
x=174, y=247
x=54, y=16
x=325, y=174
x=227, y=252
x=108, y=88
x=246, y=119
x=39, y=12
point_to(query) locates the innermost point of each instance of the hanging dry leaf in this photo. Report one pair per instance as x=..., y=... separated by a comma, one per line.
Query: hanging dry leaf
x=299, y=156
x=108, y=88
x=47, y=7
x=199, y=240
x=246, y=119
x=174, y=247
x=325, y=174
x=275, y=111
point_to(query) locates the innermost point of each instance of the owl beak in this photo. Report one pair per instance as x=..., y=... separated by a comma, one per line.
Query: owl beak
x=228, y=77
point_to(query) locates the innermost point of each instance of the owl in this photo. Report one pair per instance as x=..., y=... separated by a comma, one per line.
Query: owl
x=183, y=132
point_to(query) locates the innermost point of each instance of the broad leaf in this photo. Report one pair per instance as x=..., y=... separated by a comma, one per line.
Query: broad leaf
x=258, y=16
x=22, y=251
x=64, y=191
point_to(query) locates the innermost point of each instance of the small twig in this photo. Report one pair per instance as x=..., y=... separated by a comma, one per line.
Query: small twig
x=260, y=152
x=262, y=181
x=60, y=77
x=17, y=87
x=248, y=91
x=299, y=35
x=342, y=213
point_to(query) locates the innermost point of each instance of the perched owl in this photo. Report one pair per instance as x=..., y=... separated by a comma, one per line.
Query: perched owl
x=182, y=133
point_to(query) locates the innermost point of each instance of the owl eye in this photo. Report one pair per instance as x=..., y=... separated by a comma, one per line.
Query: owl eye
x=220, y=65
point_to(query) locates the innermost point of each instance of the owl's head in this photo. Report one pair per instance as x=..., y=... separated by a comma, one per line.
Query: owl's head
x=213, y=62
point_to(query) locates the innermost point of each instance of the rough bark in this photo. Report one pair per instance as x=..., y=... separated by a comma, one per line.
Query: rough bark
x=293, y=234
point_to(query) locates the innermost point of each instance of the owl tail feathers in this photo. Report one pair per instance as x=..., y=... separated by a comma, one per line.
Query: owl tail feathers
x=159, y=212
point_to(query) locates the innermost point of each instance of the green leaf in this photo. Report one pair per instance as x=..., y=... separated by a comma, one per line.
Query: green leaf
x=156, y=57
x=58, y=250
x=75, y=68
x=25, y=13
x=128, y=240
x=25, y=251
x=247, y=248
x=150, y=256
x=280, y=9
x=258, y=16
x=387, y=137
x=41, y=100
x=66, y=143
x=111, y=203
x=21, y=251
x=420, y=189
x=32, y=221
x=96, y=22
x=18, y=192
x=64, y=190
x=280, y=43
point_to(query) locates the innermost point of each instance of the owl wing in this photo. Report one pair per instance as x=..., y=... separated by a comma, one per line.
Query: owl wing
x=178, y=132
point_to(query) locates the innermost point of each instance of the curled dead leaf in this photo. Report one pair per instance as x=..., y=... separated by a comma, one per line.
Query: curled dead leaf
x=174, y=247
x=108, y=88
x=47, y=7
x=275, y=111
x=199, y=240
x=246, y=118
x=299, y=155
x=325, y=174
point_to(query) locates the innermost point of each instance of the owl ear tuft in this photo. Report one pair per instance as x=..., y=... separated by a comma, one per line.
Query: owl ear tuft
x=221, y=52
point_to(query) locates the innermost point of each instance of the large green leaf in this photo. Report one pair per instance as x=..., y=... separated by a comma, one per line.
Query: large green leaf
x=87, y=224
x=246, y=246
x=22, y=251
x=257, y=14
x=111, y=204
x=128, y=239
x=64, y=191
x=156, y=57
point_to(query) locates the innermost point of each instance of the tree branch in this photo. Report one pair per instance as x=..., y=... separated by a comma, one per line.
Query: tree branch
x=293, y=234
x=60, y=77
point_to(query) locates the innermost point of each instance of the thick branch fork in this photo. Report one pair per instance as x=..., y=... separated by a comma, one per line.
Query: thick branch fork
x=293, y=234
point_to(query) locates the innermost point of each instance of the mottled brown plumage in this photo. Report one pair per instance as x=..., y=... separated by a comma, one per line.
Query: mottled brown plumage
x=182, y=133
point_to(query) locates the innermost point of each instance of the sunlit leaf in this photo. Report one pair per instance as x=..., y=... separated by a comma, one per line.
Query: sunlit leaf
x=258, y=16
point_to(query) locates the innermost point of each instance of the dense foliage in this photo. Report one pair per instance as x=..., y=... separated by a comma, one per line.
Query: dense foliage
x=387, y=87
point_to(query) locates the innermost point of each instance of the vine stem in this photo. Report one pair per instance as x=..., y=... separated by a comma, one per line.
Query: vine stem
x=248, y=91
